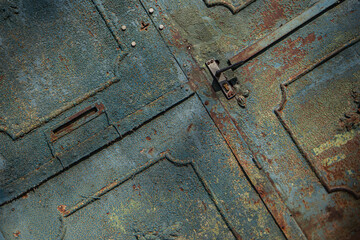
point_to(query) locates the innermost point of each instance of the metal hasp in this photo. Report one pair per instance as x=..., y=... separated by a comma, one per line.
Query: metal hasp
x=228, y=90
x=265, y=42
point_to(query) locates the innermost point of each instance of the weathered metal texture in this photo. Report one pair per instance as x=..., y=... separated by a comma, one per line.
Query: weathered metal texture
x=331, y=148
x=99, y=71
x=38, y=84
x=174, y=177
x=320, y=214
x=282, y=31
x=233, y=5
x=183, y=42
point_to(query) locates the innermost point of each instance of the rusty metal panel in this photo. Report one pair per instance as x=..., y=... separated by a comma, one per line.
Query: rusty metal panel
x=61, y=57
x=332, y=147
x=99, y=100
x=285, y=159
x=174, y=177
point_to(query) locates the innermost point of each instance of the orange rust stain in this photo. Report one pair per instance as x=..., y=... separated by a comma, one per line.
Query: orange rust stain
x=189, y=127
x=16, y=234
x=25, y=196
x=148, y=138
x=91, y=33
x=272, y=14
x=144, y=26
x=151, y=150
x=62, y=209
x=138, y=187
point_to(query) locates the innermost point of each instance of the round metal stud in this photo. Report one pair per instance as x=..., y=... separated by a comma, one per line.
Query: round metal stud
x=133, y=44
x=123, y=27
x=161, y=27
x=151, y=10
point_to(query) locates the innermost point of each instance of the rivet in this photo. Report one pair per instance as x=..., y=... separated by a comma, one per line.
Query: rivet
x=151, y=10
x=123, y=27
x=161, y=27
x=241, y=100
x=246, y=93
x=133, y=44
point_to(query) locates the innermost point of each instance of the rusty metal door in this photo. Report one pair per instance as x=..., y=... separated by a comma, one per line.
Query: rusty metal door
x=113, y=127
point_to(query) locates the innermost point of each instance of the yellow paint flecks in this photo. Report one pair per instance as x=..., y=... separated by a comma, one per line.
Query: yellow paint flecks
x=331, y=160
x=337, y=141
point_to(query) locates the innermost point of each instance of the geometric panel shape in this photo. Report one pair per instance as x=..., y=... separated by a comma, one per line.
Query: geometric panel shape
x=134, y=178
x=233, y=5
x=53, y=54
x=163, y=199
x=321, y=114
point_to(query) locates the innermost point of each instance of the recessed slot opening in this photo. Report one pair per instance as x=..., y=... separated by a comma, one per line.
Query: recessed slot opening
x=67, y=125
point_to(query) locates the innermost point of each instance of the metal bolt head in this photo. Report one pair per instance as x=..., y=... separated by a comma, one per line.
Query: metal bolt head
x=241, y=100
x=133, y=44
x=151, y=10
x=123, y=27
x=246, y=93
x=161, y=27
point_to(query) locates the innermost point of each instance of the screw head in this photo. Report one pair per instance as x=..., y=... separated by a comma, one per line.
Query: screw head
x=161, y=27
x=246, y=93
x=151, y=10
x=123, y=27
x=133, y=44
x=241, y=100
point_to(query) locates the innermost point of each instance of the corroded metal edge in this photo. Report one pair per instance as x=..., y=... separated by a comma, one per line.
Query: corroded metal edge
x=234, y=9
x=278, y=112
x=165, y=156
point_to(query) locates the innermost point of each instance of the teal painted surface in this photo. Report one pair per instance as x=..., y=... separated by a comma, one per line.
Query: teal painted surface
x=118, y=76
x=169, y=157
x=168, y=196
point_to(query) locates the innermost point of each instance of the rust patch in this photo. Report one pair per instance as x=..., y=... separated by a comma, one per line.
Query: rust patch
x=334, y=214
x=189, y=127
x=352, y=119
x=205, y=208
x=273, y=13
x=144, y=26
x=62, y=209
x=148, y=138
x=16, y=234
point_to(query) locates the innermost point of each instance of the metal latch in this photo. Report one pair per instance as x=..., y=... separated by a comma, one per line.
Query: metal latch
x=228, y=90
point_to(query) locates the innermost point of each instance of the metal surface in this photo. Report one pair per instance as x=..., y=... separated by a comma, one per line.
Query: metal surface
x=285, y=29
x=111, y=127
x=319, y=213
x=178, y=172
x=105, y=73
x=234, y=5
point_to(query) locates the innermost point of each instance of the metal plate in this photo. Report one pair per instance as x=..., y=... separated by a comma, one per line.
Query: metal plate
x=164, y=157
x=109, y=72
x=179, y=178
x=320, y=213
